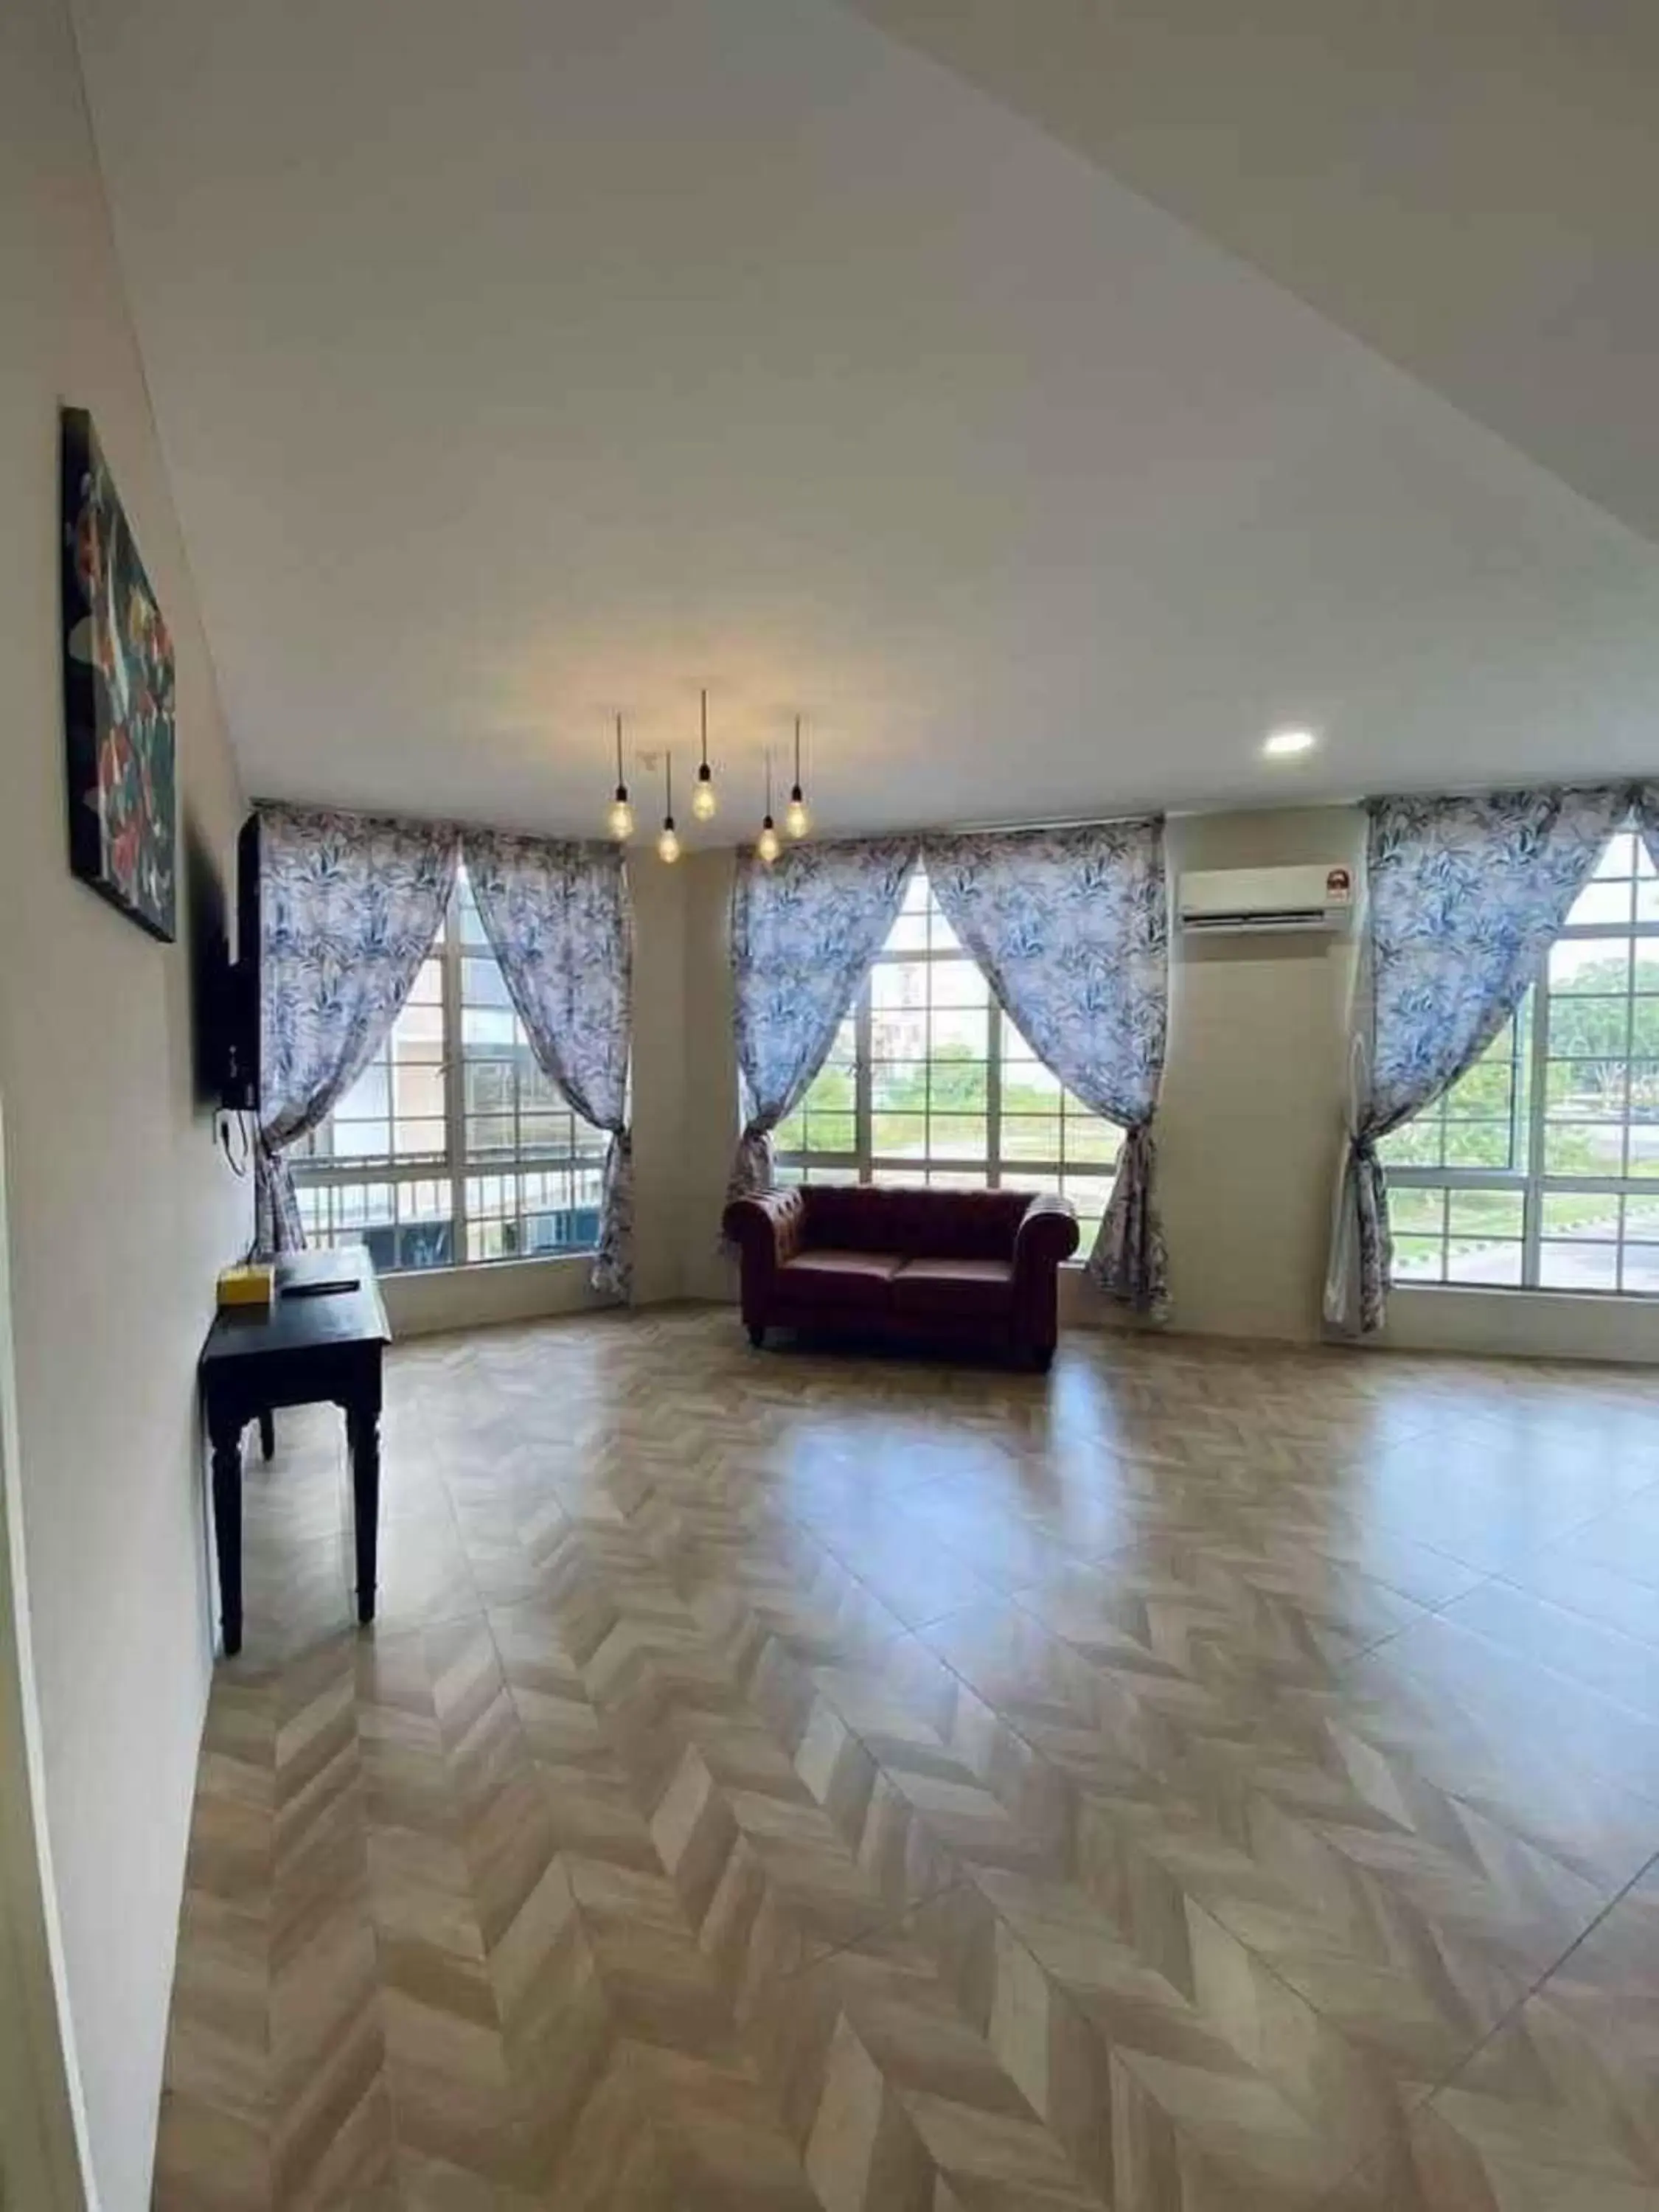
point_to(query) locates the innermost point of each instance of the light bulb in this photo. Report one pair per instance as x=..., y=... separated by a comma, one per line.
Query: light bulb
x=767, y=843
x=668, y=843
x=620, y=820
x=796, y=819
x=703, y=801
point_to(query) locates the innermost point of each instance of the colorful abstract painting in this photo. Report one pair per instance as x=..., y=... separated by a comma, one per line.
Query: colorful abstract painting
x=118, y=698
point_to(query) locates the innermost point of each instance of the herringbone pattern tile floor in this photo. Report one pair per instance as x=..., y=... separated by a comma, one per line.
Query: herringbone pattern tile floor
x=1201, y=1778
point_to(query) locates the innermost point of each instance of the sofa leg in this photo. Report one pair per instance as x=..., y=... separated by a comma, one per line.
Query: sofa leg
x=756, y=1335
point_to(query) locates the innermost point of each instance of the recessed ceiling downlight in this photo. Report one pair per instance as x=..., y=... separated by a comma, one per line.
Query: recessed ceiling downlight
x=1284, y=744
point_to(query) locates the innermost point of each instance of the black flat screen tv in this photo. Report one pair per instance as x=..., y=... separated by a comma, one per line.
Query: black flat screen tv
x=239, y=1046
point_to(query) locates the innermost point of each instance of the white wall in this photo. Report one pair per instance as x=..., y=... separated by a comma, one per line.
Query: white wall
x=120, y=1212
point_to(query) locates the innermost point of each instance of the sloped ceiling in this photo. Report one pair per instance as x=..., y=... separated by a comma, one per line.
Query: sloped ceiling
x=522, y=362
x=1472, y=189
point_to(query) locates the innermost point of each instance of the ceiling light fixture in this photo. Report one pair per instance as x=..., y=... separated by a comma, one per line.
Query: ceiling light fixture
x=796, y=819
x=668, y=842
x=620, y=819
x=766, y=845
x=1284, y=744
x=703, y=802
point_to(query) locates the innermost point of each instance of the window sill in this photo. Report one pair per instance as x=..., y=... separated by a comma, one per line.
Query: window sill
x=1491, y=1320
x=527, y=1263
x=1637, y=1301
x=422, y=1301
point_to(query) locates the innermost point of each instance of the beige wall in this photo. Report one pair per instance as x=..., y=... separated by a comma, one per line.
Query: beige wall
x=120, y=1211
x=1254, y=1089
x=711, y=1077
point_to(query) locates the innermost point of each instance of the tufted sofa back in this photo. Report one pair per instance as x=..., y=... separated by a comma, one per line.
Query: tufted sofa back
x=935, y=1224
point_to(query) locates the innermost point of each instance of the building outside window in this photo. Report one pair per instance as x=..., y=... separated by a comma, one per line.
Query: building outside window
x=452, y=1148
x=1539, y=1170
x=930, y=1083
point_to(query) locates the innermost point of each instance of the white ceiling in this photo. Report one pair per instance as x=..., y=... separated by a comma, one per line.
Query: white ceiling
x=522, y=360
x=1472, y=189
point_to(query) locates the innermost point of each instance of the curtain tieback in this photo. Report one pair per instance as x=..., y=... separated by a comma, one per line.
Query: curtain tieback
x=1138, y=1153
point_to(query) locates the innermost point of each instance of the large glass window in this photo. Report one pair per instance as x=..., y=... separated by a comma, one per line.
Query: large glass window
x=930, y=1083
x=1539, y=1170
x=451, y=1146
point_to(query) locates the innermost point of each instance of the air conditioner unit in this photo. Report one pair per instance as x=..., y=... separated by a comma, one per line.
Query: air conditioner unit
x=1266, y=902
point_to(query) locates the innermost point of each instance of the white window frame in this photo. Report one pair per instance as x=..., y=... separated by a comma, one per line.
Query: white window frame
x=1529, y=1130
x=323, y=1169
x=863, y=1163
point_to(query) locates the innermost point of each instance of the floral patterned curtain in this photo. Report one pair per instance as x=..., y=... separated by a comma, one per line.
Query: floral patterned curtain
x=1070, y=928
x=1466, y=896
x=348, y=906
x=1645, y=801
x=804, y=933
x=559, y=922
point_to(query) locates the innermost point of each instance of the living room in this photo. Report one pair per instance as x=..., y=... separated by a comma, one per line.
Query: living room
x=1004, y=1547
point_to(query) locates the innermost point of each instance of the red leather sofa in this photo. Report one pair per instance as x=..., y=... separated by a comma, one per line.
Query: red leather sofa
x=977, y=1270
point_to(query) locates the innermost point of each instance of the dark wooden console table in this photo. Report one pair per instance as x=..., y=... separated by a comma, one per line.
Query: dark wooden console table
x=306, y=1350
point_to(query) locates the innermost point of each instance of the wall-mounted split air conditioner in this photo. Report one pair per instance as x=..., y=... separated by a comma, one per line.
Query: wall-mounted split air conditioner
x=1266, y=902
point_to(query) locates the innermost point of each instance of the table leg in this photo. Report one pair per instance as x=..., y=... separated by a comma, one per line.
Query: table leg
x=363, y=1434
x=227, y=1440
x=267, y=1435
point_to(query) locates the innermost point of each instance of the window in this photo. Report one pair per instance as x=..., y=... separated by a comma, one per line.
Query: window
x=451, y=1146
x=930, y=1083
x=1540, y=1168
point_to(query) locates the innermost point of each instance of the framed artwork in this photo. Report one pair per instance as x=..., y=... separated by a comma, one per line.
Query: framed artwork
x=118, y=698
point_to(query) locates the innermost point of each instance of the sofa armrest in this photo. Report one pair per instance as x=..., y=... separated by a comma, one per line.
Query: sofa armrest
x=1048, y=1234
x=767, y=1221
x=767, y=1228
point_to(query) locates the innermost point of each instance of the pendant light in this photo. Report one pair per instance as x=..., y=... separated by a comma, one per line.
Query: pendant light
x=668, y=843
x=703, y=802
x=766, y=845
x=796, y=819
x=620, y=820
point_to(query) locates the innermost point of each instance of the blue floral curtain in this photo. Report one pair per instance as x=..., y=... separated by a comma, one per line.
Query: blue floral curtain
x=1070, y=928
x=1466, y=896
x=1645, y=801
x=559, y=922
x=804, y=933
x=348, y=906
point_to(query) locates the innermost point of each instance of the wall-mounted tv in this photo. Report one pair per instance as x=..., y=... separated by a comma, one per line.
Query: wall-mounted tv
x=238, y=1054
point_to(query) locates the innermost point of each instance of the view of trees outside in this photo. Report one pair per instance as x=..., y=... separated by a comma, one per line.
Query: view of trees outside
x=1597, y=1122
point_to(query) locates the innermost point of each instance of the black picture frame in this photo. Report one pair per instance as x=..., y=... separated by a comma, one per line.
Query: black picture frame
x=119, y=689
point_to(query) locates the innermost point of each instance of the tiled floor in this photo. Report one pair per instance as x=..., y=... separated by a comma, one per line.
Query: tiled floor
x=1199, y=1778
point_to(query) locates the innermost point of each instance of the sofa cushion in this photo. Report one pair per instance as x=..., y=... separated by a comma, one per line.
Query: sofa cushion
x=823, y=1276
x=966, y=1287
x=912, y=1221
